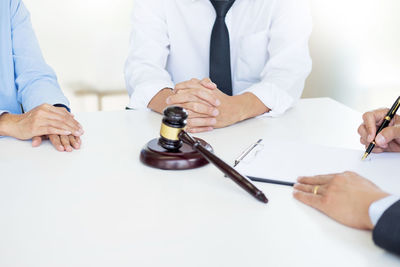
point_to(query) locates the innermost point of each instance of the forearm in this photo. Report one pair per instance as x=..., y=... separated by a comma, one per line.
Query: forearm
x=146, y=67
x=159, y=101
x=36, y=81
x=249, y=106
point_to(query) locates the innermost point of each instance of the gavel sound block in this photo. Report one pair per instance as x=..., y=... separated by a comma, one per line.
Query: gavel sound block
x=168, y=152
x=178, y=150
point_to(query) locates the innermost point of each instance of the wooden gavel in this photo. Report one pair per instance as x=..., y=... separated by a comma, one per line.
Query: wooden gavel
x=173, y=137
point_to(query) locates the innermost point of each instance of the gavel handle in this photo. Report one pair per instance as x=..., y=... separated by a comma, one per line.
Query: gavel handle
x=239, y=179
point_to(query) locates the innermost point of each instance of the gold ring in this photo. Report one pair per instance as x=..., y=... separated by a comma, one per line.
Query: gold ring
x=315, y=191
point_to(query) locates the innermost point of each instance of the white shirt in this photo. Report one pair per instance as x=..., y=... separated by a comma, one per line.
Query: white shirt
x=379, y=207
x=170, y=43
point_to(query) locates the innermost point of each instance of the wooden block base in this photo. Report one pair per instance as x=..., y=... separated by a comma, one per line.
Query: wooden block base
x=185, y=158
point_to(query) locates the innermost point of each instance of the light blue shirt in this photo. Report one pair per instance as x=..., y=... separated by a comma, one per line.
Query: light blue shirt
x=25, y=78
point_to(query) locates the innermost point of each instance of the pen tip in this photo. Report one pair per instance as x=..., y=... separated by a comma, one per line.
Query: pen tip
x=262, y=197
x=365, y=156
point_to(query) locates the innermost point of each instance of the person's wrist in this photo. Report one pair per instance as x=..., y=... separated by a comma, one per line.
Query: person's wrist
x=7, y=124
x=239, y=103
x=249, y=105
x=158, y=102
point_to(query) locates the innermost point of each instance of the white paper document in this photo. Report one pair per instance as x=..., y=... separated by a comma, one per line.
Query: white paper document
x=285, y=161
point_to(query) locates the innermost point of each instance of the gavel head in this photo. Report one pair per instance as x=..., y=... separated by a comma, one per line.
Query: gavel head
x=173, y=123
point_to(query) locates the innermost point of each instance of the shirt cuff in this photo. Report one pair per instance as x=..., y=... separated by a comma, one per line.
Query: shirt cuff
x=3, y=111
x=277, y=100
x=377, y=208
x=42, y=92
x=143, y=94
x=62, y=106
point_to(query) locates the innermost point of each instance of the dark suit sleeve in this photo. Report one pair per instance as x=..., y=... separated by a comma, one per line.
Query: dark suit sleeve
x=387, y=231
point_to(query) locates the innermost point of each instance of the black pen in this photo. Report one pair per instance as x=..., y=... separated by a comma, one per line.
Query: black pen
x=385, y=124
x=270, y=181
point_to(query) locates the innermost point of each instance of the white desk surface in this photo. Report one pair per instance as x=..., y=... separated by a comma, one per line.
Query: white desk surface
x=101, y=207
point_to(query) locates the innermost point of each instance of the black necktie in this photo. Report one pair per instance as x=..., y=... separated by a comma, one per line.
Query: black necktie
x=220, y=52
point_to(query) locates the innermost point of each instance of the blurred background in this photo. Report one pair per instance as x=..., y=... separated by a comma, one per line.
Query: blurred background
x=355, y=48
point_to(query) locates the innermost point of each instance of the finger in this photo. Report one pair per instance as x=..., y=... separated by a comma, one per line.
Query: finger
x=36, y=141
x=70, y=121
x=316, y=180
x=206, y=82
x=181, y=98
x=55, y=140
x=370, y=125
x=193, y=114
x=74, y=125
x=396, y=120
x=377, y=150
x=199, y=97
x=206, y=96
x=309, y=188
x=74, y=141
x=200, y=129
x=62, y=114
x=65, y=142
x=202, y=92
x=43, y=120
x=67, y=123
x=193, y=83
x=201, y=108
x=48, y=130
x=61, y=125
x=371, y=119
x=312, y=200
x=364, y=141
x=193, y=95
x=387, y=135
x=201, y=122
x=362, y=131
x=191, y=102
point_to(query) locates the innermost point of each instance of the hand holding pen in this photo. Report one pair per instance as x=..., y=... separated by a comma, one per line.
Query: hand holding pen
x=380, y=131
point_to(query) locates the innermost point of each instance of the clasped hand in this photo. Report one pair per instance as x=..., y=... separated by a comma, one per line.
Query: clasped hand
x=45, y=122
x=207, y=106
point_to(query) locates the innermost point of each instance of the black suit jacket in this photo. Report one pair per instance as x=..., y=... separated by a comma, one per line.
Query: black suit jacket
x=387, y=231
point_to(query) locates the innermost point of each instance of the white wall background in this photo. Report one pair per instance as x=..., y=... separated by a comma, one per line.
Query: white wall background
x=85, y=41
x=356, y=52
x=355, y=48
